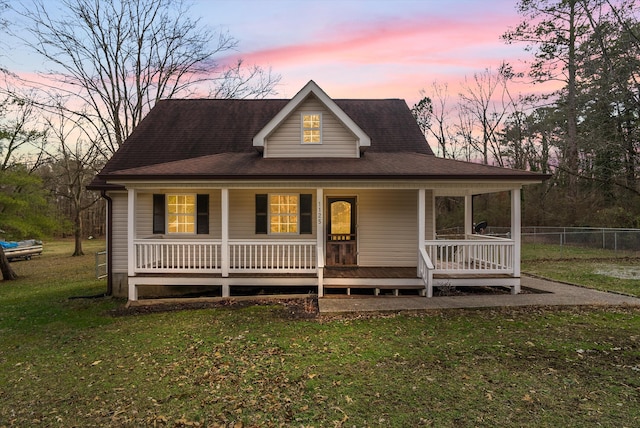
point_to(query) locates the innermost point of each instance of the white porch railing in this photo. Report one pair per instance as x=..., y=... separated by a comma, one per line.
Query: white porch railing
x=184, y=256
x=199, y=256
x=425, y=271
x=475, y=255
x=270, y=256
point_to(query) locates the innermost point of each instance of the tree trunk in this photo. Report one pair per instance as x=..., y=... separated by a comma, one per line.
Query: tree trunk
x=7, y=272
x=78, y=234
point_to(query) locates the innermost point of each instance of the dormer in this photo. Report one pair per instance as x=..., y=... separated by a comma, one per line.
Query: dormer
x=311, y=125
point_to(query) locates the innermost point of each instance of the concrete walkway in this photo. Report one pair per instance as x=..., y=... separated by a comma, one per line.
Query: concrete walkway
x=549, y=293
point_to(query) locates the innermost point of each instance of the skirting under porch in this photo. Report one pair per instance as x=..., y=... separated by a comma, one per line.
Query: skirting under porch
x=336, y=282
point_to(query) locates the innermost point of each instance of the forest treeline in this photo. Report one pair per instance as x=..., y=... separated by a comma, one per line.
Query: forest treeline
x=585, y=132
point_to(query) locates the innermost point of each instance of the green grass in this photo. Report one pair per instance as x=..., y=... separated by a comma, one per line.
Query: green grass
x=74, y=362
x=594, y=268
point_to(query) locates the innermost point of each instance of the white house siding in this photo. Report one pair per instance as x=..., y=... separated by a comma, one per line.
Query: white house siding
x=337, y=141
x=119, y=232
x=387, y=226
x=144, y=215
x=242, y=214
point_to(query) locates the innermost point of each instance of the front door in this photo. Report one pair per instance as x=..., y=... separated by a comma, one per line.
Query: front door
x=342, y=247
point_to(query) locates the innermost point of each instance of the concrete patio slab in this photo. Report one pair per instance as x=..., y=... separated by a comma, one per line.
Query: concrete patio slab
x=546, y=293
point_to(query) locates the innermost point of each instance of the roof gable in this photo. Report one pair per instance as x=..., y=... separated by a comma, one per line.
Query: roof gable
x=362, y=139
x=180, y=129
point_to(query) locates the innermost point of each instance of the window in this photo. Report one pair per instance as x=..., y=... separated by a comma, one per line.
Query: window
x=180, y=213
x=311, y=128
x=283, y=214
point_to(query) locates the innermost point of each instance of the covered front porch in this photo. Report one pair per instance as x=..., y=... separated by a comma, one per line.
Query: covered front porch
x=230, y=264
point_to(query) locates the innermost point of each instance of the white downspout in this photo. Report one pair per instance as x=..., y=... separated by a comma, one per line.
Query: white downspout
x=131, y=235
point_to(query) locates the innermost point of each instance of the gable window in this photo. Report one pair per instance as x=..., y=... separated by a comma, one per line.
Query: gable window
x=283, y=214
x=311, y=128
x=180, y=213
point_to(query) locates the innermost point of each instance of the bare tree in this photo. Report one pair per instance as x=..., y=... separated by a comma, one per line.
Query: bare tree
x=486, y=101
x=465, y=133
x=117, y=58
x=73, y=167
x=20, y=142
x=432, y=113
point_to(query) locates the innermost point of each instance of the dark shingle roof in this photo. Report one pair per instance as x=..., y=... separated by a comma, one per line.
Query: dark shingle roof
x=213, y=139
x=183, y=129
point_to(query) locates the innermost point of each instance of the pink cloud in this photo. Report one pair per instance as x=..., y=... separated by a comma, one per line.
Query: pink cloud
x=376, y=57
x=417, y=40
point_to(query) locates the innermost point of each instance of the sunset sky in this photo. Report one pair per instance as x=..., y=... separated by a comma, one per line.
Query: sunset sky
x=357, y=48
x=369, y=48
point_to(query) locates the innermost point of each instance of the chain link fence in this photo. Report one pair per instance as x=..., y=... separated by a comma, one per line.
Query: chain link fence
x=591, y=237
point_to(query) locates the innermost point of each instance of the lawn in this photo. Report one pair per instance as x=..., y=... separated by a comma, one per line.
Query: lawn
x=88, y=362
x=604, y=270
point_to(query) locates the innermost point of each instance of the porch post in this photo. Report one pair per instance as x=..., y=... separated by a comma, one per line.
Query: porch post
x=516, y=225
x=224, y=250
x=421, y=222
x=468, y=214
x=131, y=231
x=320, y=240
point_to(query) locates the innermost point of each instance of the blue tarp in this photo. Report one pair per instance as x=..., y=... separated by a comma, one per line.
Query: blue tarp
x=5, y=244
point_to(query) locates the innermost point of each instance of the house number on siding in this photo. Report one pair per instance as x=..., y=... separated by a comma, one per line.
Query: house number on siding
x=319, y=211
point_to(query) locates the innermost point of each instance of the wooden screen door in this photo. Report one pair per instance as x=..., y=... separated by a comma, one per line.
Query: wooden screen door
x=342, y=249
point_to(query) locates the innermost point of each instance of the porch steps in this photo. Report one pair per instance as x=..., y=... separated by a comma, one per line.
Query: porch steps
x=376, y=284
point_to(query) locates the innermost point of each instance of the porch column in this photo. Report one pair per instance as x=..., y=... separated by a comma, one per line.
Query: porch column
x=468, y=214
x=320, y=239
x=131, y=231
x=516, y=225
x=422, y=228
x=224, y=250
x=421, y=222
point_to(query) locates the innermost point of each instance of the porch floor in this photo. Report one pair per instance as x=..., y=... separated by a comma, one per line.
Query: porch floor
x=369, y=272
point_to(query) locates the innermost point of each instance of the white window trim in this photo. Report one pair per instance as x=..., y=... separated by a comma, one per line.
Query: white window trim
x=302, y=128
x=269, y=214
x=168, y=214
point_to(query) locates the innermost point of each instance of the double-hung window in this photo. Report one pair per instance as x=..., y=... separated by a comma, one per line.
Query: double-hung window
x=283, y=213
x=311, y=128
x=176, y=213
x=181, y=213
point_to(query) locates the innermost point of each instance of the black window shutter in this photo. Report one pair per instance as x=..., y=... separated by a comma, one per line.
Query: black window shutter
x=202, y=210
x=158, y=214
x=261, y=214
x=305, y=213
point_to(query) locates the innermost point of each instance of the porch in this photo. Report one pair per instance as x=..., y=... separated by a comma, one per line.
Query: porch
x=472, y=260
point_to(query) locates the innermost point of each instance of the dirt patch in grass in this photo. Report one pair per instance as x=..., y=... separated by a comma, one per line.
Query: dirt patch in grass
x=293, y=309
